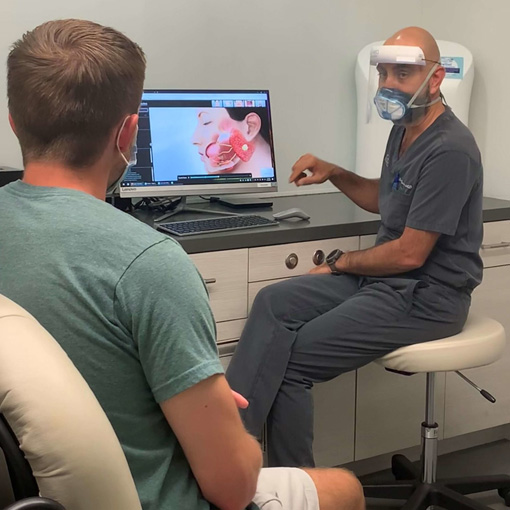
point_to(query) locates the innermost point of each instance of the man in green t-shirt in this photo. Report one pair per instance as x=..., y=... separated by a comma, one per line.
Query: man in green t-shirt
x=124, y=301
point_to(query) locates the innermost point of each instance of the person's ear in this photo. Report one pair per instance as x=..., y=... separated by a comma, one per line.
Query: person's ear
x=253, y=125
x=436, y=79
x=128, y=132
x=13, y=126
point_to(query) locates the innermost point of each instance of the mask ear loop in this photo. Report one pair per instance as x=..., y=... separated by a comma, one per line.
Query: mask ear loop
x=118, y=140
x=422, y=86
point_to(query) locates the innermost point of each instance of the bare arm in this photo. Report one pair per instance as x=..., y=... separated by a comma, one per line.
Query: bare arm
x=363, y=192
x=406, y=253
x=224, y=458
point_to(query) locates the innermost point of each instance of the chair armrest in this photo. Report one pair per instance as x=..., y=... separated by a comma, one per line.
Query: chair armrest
x=35, y=504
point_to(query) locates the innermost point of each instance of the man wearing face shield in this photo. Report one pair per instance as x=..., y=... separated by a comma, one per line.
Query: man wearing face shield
x=394, y=104
x=413, y=286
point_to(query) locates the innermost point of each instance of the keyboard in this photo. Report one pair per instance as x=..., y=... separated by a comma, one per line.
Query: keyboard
x=221, y=224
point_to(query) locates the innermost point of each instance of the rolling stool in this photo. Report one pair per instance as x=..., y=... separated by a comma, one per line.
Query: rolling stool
x=480, y=343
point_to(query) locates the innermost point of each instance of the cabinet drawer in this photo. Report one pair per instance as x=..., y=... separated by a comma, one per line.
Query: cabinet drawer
x=228, y=331
x=496, y=244
x=226, y=276
x=226, y=352
x=269, y=262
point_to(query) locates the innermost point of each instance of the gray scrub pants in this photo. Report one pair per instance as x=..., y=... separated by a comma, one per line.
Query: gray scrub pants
x=313, y=328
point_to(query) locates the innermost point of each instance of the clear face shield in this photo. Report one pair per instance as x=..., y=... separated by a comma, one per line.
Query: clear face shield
x=393, y=65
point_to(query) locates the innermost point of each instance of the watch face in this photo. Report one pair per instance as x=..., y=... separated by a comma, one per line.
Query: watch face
x=333, y=256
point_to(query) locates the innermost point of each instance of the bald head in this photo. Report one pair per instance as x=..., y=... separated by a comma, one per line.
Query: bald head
x=416, y=36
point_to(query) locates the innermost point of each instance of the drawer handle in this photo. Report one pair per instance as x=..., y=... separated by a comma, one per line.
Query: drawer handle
x=291, y=261
x=504, y=244
x=210, y=281
x=318, y=257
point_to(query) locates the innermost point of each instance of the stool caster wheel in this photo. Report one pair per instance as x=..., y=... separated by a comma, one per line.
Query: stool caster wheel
x=505, y=494
x=399, y=475
x=402, y=468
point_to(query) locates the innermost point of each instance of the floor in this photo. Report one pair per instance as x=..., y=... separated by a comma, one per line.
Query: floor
x=493, y=458
x=490, y=459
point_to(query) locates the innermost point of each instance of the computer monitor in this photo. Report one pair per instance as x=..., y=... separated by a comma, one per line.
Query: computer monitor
x=202, y=142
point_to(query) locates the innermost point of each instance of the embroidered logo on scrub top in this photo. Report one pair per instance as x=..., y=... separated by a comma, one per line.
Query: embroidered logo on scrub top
x=400, y=186
x=387, y=160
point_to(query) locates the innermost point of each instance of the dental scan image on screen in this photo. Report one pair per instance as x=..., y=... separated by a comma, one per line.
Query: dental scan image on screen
x=189, y=141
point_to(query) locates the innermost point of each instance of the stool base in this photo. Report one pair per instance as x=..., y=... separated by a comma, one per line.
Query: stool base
x=447, y=493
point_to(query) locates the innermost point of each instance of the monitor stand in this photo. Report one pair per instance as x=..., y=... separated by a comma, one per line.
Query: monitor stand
x=182, y=207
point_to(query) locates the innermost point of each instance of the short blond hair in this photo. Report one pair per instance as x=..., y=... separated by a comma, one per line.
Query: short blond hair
x=69, y=83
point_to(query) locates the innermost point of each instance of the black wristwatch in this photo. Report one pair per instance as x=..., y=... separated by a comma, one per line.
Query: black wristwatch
x=332, y=258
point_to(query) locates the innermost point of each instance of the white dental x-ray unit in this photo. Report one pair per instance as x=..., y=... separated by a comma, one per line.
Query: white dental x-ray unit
x=372, y=131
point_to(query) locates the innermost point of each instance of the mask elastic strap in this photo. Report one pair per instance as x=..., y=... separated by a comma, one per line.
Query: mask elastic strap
x=422, y=86
x=427, y=104
x=118, y=140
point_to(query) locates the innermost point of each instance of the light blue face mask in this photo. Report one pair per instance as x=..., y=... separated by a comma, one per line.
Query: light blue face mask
x=129, y=164
x=398, y=106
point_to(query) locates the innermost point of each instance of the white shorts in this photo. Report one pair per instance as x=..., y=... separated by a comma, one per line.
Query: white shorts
x=286, y=489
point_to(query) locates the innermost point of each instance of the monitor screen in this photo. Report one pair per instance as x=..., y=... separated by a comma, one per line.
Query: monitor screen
x=194, y=142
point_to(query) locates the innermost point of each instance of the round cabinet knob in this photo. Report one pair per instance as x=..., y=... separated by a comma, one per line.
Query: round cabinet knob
x=291, y=261
x=319, y=257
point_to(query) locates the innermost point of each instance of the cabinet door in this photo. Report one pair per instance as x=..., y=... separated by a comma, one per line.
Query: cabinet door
x=390, y=409
x=334, y=408
x=226, y=276
x=228, y=331
x=466, y=409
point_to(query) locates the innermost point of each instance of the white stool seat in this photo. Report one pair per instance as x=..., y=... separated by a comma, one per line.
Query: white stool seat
x=480, y=343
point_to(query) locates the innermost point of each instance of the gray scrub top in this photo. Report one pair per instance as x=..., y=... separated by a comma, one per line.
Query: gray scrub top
x=437, y=186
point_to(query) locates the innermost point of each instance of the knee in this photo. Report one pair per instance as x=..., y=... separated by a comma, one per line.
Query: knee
x=355, y=490
x=337, y=489
x=271, y=299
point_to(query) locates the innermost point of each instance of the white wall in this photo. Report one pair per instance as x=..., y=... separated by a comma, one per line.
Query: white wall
x=302, y=51
x=483, y=28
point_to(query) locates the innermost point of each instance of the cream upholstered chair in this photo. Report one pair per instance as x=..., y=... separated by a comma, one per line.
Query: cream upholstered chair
x=480, y=343
x=65, y=436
